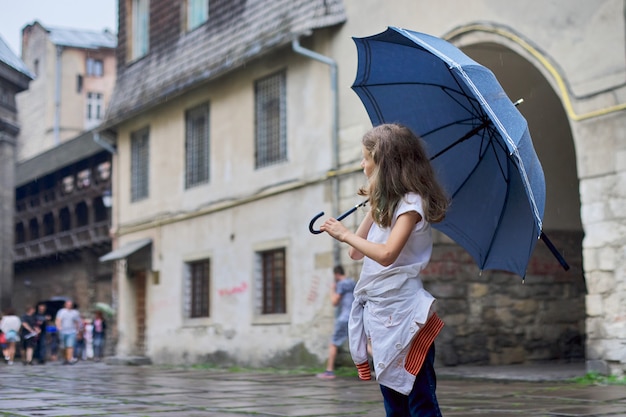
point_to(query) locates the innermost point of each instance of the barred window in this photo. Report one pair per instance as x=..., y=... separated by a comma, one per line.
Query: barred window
x=271, y=282
x=197, y=284
x=139, y=164
x=197, y=146
x=270, y=120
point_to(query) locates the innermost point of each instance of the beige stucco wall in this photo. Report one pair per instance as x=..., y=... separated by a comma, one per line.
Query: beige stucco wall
x=37, y=108
x=577, y=45
x=201, y=222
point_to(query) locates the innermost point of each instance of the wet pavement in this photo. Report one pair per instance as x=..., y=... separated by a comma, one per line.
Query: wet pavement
x=98, y=389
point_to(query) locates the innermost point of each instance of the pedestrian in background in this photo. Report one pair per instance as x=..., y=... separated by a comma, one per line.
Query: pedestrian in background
x=99, y=335
x=41, y=322
x=391, y=308
x=30, y=333
x=10, y=325
x=341, y=297
x=68, y=324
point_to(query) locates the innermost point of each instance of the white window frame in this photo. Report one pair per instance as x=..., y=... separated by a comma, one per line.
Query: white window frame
x=197, y=13
x=140, y=28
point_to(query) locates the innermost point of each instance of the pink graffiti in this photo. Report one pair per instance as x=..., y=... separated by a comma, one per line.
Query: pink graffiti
x=237, y=289
x=313, y=293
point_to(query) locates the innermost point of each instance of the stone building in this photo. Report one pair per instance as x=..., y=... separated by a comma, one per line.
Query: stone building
x=235, y=123
x=14, y=78
x=62, y=180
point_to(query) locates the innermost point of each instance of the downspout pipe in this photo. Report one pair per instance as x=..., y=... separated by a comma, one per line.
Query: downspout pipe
x=332, y=64
x=57, y=97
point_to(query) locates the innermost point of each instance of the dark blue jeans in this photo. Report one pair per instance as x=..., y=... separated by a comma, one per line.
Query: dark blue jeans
x=422, y=400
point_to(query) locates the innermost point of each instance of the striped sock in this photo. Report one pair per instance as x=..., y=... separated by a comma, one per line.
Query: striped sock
x=364, y=371
x=421, y=343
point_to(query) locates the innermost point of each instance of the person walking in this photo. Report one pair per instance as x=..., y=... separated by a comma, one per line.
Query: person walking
x=391, y=308
x=68, y=324
x=341, y=297
x=41, y=321
x=30, y=333
x=10, y=325
x=99, y=335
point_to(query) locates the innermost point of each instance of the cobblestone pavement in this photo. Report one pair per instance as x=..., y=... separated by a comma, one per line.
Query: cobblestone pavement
x=98, y=389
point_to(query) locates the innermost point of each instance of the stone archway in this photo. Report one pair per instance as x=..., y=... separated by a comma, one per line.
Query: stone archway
x=543, y=319
x=554, y=144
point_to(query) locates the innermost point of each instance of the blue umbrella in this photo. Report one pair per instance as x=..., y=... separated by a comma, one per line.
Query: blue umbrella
x=477, y=140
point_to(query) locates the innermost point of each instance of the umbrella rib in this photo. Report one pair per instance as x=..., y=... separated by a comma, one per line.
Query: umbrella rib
x=468, y=122
x=461, y=139
x=474, y=103
x=449, y=91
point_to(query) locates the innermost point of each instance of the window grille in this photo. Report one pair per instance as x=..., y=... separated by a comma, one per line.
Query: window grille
x=197, y=152
x=271, y=282
x=139, y=164
x=270, y=120
x=197, y=287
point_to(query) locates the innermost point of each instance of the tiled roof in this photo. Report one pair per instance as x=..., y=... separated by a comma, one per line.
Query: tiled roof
x=210, y=51
x=80, y=38
x=8, y=57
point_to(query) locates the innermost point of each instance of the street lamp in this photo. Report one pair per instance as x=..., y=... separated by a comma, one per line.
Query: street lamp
x=107, y=199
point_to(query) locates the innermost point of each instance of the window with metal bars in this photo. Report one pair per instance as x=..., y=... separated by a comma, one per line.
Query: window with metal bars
x=272, y=282
x=197, y=146
x=270, y=120
x=139, y=164
x=197, y=289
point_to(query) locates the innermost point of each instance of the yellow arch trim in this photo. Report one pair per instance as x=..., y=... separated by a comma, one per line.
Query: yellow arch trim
x=545, y=63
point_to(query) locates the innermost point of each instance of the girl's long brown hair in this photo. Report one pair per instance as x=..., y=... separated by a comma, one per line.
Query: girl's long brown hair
x=402, y=166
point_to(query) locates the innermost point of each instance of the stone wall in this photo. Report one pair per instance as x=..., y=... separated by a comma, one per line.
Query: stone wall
x=80, y=277
x=494, y=318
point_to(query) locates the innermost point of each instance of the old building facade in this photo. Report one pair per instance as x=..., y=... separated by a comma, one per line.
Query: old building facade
x=75, y=75
x=234, y=124
x=14, y=78
x=62, y=180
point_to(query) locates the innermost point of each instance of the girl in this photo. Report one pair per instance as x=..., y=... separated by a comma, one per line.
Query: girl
x=10, y=325
x=391, y=308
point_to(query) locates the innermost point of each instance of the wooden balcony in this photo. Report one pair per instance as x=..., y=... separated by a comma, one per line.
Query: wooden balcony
x=92, y=235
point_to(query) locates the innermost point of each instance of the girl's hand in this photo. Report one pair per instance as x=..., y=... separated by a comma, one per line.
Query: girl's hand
x=334, y=228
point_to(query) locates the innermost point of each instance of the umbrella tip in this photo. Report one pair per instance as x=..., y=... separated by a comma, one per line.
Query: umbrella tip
x=518, y=102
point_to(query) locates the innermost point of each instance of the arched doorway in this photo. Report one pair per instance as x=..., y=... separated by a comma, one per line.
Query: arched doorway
x=543, y=319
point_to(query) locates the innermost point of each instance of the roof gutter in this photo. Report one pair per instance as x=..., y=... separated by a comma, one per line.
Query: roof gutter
x=335, y=130
x=103, y=143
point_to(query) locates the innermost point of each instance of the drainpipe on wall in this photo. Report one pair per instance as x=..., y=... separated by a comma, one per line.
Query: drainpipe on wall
x=335, y=131
x=57, y=97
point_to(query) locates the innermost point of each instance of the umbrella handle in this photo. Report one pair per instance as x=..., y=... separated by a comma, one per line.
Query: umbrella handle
x=341, y=217
x=554, y=251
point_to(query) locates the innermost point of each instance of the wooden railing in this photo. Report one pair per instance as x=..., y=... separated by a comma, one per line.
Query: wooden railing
x=67, y=241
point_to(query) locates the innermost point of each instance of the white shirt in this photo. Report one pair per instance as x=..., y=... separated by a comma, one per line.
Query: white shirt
x=10, y=323
x=390, y=302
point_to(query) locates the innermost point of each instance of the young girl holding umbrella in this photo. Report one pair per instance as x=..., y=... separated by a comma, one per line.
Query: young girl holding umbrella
x=392, y=309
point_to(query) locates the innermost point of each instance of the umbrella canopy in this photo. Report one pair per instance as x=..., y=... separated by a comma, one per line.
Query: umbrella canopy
x=105, y=308
x=477, y=140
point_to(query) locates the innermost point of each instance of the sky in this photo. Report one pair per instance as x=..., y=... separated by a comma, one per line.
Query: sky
x=77, y=14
